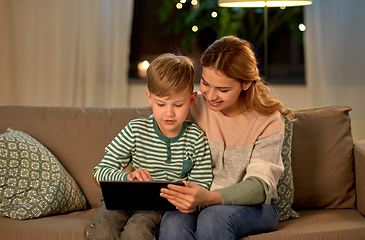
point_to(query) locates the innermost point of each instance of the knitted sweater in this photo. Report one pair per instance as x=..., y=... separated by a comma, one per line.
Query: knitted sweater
x=246, y=153
x=184, y=157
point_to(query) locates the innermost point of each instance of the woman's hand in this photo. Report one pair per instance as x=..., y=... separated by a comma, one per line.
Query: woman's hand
x=140, y=175
x=188, y=198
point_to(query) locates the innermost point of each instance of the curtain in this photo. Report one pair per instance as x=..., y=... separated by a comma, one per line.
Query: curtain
x=335, y=56
x=65, y=52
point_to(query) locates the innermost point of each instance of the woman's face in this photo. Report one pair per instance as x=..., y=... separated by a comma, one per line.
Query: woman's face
x=221, y=92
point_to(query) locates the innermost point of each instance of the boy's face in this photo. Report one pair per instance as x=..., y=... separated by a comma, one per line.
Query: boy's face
x=171, y=112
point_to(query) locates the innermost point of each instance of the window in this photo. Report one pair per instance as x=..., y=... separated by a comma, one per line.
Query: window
x=152, y=36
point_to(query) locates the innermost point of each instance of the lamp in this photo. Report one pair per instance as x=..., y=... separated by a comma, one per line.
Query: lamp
x=265, y=5
x=261, y=3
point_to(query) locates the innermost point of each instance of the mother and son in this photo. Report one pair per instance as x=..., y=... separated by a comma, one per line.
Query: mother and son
x=228, y=156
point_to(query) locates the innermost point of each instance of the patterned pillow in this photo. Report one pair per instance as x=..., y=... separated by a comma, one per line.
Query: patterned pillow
x=285, y=186
x=33, y=183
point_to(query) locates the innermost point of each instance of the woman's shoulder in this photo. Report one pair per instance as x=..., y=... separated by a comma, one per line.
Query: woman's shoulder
x=263, y=117
x=271, y=123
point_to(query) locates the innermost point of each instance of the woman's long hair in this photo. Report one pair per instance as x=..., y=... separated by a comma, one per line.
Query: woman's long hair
x=235, y=58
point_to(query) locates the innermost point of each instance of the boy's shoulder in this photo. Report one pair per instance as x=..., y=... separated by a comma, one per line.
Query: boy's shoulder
x=146, y=122
x=192, y=126
x=141, y=120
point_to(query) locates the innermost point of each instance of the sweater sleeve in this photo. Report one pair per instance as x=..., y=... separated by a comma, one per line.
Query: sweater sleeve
x=117, y=156
x=251, y=191
x=266, y=162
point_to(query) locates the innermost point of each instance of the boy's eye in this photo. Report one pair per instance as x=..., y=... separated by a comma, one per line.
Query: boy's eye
x=178, y=105
x=160, y=104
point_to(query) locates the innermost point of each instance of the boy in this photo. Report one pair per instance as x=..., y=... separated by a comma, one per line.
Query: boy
x=163, y=147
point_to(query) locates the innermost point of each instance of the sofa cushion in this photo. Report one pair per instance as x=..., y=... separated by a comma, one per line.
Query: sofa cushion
x=331, y=224
x=33, y=183
x=285, y=186
x=322, y=159
x=76, y=136
x=69, y=226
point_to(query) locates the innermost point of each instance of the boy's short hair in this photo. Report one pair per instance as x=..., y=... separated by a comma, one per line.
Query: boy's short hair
x=170, y=74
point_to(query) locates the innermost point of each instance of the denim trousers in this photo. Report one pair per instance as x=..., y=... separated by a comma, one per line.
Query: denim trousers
x=121, y=224
x=219, y=222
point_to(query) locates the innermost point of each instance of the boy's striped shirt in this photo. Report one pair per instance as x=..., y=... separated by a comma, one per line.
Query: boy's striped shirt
x=184, y=157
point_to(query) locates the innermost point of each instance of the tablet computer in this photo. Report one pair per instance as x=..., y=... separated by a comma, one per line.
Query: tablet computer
x=136, y=195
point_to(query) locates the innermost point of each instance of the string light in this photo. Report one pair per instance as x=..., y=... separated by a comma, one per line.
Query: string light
x=302, y=27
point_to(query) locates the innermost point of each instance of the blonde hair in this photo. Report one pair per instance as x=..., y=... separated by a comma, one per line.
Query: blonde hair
x=170, y=74
x=235, y=58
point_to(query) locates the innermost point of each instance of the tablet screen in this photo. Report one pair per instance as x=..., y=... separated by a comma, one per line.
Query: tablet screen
x=136, y=195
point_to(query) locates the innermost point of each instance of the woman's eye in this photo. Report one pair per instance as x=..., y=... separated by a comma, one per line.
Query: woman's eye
x=204, y=83
x=223, y=91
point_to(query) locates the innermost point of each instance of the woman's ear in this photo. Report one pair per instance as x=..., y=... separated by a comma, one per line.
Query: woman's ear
x=246, y=85
x=193, y=98
x=148, y=94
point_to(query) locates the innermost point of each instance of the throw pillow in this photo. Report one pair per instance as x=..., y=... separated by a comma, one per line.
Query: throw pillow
x=285, y=186
x=322, y=159
x=33, y=183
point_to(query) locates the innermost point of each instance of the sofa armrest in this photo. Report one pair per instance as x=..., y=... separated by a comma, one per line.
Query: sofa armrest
x=359, y=157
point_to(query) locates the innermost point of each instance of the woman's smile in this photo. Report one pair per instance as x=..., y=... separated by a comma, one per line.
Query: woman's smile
x=215, y=103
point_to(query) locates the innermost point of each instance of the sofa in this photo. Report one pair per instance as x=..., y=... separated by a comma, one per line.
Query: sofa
x=322, y=193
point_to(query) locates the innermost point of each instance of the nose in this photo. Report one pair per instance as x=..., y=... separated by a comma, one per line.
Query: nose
x=170, y=111
x=211, y=94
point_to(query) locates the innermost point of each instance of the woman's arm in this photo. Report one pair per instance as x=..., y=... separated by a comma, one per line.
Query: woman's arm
x=188, y=198
x=248, y=192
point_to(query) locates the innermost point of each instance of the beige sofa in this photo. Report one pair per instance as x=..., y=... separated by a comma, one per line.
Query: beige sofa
x=328, y=170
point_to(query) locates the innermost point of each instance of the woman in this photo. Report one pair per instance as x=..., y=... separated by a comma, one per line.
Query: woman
x=245, y=130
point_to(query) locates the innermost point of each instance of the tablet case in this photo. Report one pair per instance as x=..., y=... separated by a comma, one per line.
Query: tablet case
x=135, y=195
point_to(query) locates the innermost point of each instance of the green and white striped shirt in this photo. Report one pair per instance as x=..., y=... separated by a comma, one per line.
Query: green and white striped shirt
x=184, y=157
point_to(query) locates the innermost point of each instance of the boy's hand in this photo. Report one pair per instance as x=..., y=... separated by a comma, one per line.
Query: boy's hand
x=128, y=169
x=140, y=175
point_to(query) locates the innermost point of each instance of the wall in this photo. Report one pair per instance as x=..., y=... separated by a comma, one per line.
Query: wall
x=334, y=55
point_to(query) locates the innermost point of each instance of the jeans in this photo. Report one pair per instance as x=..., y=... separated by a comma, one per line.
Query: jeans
x=219, y=222
x=120, y=224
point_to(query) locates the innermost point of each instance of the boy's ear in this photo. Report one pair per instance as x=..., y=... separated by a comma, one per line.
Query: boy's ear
x=193, y=98
x=148, y=94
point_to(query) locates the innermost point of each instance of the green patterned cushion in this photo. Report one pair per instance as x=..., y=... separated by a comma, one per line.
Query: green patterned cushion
x=285, y=186
x=33, y=183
